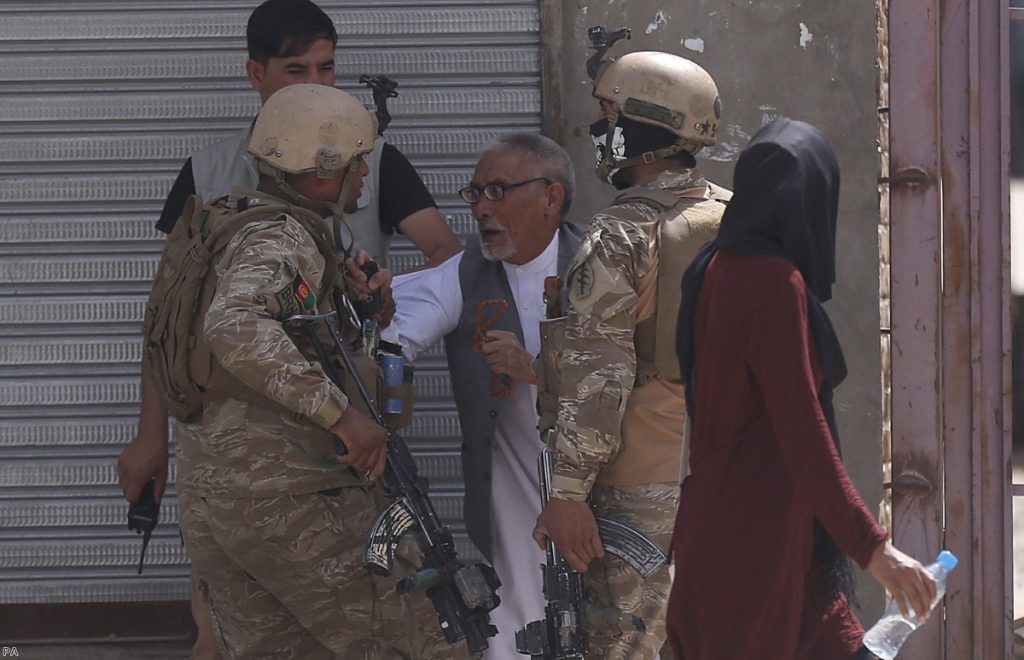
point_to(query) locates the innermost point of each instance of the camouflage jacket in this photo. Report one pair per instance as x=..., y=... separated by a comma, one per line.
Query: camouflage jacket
x=614, y=271
x=268, y=272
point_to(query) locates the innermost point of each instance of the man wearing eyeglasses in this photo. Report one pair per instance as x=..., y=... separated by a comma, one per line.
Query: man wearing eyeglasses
x=487, y=303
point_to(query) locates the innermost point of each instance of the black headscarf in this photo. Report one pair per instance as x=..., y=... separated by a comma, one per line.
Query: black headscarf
x=785, y=202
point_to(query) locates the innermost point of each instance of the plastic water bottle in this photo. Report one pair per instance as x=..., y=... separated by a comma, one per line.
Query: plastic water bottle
x=887, y=636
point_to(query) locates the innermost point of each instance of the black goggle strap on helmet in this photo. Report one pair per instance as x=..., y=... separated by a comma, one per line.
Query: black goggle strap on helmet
x=609, y=163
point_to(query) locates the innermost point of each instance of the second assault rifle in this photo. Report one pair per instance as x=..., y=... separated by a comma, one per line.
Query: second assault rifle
x=568, y=616
x=563, y=633
x=463, y=594
x=383, y=88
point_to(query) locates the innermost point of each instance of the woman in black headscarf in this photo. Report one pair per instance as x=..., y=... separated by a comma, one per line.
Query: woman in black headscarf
x=768, y=514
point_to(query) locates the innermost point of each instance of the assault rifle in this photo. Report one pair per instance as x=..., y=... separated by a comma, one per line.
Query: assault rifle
x=383, y=88
x=463, y=594
x=563, y=633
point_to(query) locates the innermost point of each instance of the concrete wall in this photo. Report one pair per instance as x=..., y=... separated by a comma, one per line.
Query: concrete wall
x=813, y=61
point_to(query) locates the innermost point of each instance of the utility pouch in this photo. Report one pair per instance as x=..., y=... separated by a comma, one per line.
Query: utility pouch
x=370, y=373
x=397, y=386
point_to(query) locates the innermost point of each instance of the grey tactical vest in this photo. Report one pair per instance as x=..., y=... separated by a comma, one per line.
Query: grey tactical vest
x=224, y=165
x=482, y=280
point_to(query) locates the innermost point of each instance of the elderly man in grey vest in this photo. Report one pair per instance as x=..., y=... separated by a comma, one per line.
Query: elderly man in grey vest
x=487, y=303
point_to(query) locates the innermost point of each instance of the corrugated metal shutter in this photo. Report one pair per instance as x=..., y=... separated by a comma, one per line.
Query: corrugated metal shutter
x=100, y=104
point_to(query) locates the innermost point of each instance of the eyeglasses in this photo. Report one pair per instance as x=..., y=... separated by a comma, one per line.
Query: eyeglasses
x=494, y=191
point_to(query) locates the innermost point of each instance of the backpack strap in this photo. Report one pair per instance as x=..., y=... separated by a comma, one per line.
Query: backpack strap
x=184, y=370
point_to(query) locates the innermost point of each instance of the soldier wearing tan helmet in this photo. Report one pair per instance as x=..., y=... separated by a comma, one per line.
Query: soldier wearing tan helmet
x=619, y=434
x=273, y=520
x=288, y=42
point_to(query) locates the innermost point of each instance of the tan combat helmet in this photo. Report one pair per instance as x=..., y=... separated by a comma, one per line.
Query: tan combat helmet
x=312, y=128
x=661, y=90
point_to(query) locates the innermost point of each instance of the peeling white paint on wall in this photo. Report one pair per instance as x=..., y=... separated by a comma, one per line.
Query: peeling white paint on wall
x=695, y=44
x=659, y=20
x=731, y=141
x=805, y=36
x=768, y=113
x=582, y=23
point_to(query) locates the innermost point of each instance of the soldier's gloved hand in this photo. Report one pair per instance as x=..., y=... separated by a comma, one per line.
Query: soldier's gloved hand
x=507, y=356
x=571, y=526
x=366, y=441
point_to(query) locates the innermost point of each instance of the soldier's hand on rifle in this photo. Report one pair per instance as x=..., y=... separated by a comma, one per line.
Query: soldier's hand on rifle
x=360, y=287
x=507, y=356
x=366, y=441
x=571, y=526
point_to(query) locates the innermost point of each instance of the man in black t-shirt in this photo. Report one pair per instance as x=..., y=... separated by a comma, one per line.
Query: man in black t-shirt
x=410, y=211
x=289, y=42
x=293, y=42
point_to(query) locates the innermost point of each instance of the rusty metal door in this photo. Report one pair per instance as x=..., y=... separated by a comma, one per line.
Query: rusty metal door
x=948, y=194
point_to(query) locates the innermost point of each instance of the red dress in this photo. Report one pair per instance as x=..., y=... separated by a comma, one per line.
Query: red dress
x=763, y=465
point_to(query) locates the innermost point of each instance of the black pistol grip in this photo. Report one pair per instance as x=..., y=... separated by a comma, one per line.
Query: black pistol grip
x=632, y=546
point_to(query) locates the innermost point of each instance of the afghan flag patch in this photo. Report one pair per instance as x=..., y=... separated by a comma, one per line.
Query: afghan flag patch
x=296, y=297
x=304, y=293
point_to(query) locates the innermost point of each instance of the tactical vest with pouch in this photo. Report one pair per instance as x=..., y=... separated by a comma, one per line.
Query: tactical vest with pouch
x=175, y=351
x=688, y=221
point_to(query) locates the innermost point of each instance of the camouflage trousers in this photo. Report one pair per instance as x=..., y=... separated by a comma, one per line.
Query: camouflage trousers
x=611, y=582
x=283, y=578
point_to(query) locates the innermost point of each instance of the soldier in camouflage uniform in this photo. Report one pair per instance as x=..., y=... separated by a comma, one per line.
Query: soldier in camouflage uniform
x=272, y=518
x=619, y=434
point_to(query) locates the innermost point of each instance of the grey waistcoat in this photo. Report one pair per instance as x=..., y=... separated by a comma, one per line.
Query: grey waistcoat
x=471, y=376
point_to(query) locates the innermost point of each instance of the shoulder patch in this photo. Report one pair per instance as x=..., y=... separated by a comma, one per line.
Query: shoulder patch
x=583, y=278
x=296, y=297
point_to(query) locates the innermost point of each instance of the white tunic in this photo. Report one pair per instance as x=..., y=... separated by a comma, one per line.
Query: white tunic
x=429, y=304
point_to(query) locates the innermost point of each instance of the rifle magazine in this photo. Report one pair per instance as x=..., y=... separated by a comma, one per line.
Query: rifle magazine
x=632, y=546
x=385, y=533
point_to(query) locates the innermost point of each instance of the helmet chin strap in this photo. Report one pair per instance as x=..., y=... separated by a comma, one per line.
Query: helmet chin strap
x=609, y=164
x=338, y=208
x=285, y=187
